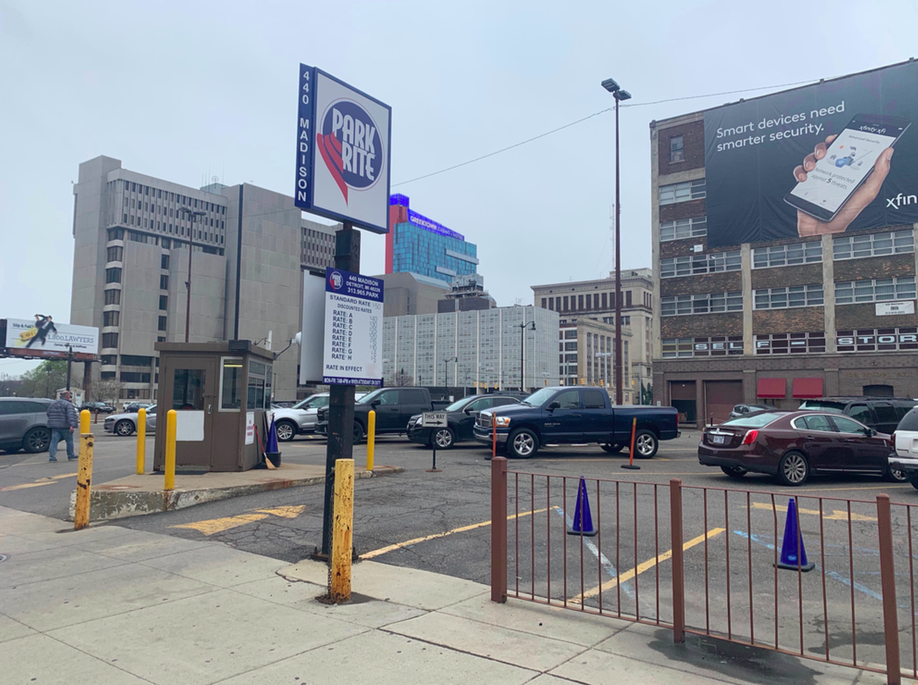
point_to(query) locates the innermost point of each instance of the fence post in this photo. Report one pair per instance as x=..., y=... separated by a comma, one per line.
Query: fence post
x=499, y=530
x=675, y=527
x=888, y=583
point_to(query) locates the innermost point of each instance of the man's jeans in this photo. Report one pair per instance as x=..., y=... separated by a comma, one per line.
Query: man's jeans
x=58, y=434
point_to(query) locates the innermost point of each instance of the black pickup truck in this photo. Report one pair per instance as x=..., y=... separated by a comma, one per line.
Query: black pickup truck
x=566, y=415
x=393, y=406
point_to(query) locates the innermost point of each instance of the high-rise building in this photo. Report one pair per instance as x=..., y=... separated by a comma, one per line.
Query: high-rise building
x=131, y=259
x=472, y=349
x=578, y=301
x=422, y=246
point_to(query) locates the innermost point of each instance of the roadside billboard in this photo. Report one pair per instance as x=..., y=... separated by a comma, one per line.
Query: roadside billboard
x=342, y=152
x=840, y=155
x=44, y=337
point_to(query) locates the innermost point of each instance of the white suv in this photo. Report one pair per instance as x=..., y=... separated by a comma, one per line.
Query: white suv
x=301, y=417
x=905, y=439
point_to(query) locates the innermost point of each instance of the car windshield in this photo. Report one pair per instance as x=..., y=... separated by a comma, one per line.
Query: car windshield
x=459, y=405
x=540, y=397
x=311, y=402
x=820, y=405
x=366, y=399
x=753, y=420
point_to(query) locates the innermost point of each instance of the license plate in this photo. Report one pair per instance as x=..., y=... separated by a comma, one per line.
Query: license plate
x=717, y=439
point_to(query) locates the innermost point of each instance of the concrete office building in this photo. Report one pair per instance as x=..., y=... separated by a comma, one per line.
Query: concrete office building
x=130, y=267
x=578, y=301
x=472, y=349
x=586, y=356
x=410, y=293
x=778, y=320
x=416, y=244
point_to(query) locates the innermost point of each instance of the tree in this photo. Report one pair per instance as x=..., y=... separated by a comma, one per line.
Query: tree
x=402, y=379
x=107, y=390
x=49, y=377
x=646, y=393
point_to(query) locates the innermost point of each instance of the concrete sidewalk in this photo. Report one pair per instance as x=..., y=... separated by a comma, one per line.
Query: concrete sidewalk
x=112, y=605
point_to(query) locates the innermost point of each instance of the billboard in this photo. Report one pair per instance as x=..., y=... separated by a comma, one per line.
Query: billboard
x=840, y=155
x=43, y=337
x=342, y=152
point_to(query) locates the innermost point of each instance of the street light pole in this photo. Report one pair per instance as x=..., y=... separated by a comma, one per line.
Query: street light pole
x=619, y=95
x=523, y=326
x=446, y=370
x=189, y=213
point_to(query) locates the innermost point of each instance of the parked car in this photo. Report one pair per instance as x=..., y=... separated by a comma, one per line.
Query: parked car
x=97, y=407
x=132, y=407
x=460, y=418
x=301, y=418
x=125, y=424
x=904, y=456
x=743, y=409
x=794, y=445
x=880, y=413
x=393, y=407
x=568, y=415
x=24, y=424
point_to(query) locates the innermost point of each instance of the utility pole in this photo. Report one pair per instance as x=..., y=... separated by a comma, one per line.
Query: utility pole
x=69, y=364
x=523, y=326
x=192, y=214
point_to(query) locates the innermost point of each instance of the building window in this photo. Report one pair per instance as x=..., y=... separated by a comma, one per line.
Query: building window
x=164, y=282
x=109, y=359
x=160, y=339
x=682, y=192
x=162, y=323
x=714, y=303
x=684, y=228
x=135, y=360
x=693, y=265
x=116, y=234
x=113, y=275
x=873, y=244
x=702, y=347
x=876, y=290
x=114, y=254
x=111, y=318
x=108, y=375
x=112, y=297
x=109, y=340
x=793, y=296
x=163, y=302
x=164, y=262
x=134, y=377
x=787, y=255
x=790, y=343
x=676, y=151
x=877, y=340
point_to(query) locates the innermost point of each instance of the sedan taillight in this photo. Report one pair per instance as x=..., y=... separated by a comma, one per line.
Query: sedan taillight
x=750, y=437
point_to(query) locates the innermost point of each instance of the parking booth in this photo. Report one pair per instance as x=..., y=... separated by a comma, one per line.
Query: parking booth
x=220, y=392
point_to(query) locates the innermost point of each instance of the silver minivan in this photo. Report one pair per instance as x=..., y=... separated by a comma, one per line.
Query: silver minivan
x=24, y=424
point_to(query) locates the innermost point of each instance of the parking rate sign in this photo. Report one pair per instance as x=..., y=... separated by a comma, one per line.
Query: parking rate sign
x=353, y=329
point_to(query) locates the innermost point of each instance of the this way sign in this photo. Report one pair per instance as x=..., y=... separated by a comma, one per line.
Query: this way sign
x=433, y=419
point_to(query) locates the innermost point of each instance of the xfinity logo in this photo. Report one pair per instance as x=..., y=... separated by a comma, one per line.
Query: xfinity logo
x=901, y=200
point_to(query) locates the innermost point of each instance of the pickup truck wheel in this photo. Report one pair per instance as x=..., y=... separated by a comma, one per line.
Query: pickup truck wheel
x=645, y=444
x=286, y=430
x=612, y=449
x=358, y=432
x=523, y=444
x=895, y=476
x=443, y=438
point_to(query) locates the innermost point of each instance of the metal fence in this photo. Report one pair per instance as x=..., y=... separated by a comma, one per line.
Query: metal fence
x=706, y=561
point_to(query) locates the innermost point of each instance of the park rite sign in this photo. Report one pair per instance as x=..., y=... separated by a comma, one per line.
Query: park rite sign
x=353, y=329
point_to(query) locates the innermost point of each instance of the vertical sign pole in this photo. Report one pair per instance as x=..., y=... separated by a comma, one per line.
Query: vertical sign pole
x=341, y=403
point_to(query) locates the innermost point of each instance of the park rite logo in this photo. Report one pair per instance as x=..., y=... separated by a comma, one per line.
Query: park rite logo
x=336, y=280
x=351, y=148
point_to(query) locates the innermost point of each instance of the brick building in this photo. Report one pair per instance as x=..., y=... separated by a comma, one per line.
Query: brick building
x=777, y=321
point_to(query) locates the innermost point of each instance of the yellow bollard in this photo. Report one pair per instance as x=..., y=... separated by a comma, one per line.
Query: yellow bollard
x=141, y=440
x=342, y=532
x=371, y=439
x=84, y=475
x=170, y=450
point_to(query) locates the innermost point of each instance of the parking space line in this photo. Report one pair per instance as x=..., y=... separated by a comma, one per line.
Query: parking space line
x=645, y=566
x=213, y=526
x=37, y=484
x=461, y=529
x=836, y=515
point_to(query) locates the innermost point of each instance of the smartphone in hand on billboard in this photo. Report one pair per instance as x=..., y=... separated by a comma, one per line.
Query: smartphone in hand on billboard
x=848, y=162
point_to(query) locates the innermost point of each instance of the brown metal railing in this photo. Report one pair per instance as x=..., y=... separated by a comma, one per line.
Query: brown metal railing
x=709, y=565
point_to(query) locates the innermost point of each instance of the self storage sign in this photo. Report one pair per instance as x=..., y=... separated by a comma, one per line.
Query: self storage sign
x=353, y=329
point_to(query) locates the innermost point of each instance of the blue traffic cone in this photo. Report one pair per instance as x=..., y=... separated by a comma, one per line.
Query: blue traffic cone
x=789, y=547
x=583, y=520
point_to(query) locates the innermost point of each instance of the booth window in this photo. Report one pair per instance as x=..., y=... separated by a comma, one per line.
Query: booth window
x=258, y=393
x=188, y=389
x=231, y=384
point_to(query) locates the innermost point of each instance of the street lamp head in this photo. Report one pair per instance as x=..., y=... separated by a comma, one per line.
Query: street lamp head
x=610, y=85
x=621, y=95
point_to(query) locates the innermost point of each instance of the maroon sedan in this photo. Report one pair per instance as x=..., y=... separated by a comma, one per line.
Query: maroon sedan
x=793, y=445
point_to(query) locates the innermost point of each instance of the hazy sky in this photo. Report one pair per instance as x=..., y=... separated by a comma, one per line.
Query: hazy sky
x=188, y=90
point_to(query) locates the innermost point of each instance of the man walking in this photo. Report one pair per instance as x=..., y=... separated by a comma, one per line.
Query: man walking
x=62, y=420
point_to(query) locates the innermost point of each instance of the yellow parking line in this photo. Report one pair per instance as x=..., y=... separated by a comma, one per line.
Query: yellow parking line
x=461, y=529
x=644, y=566
x=212, y=526
x=37, y=484
x=836, y=515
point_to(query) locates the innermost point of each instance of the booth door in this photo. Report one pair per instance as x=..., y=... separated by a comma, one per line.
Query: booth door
x=194, y=398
